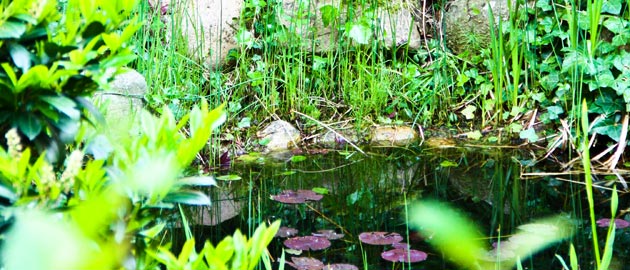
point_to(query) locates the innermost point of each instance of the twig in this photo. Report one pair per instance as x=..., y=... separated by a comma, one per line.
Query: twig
x=331, y=130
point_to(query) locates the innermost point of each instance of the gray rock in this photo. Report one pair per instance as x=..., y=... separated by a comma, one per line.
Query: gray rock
x=333, y=140
x=467, y=25
x=395, y=23
x=281, y=136
x=393, y=136
x=209, y=26
x=124, y=99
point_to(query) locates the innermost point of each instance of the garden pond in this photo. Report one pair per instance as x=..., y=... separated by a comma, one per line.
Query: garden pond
x=352, y=193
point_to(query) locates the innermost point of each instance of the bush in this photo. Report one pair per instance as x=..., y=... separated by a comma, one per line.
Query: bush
x=52, y=61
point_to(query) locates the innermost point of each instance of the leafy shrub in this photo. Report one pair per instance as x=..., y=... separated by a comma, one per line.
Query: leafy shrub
x=52, y=60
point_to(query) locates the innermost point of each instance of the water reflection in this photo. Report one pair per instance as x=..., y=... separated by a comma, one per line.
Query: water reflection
x=370, y=193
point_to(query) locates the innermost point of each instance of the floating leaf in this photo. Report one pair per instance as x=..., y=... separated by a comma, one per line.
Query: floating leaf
x=285, y=232
x=298, y=158
x=320, y=190
x=380, y=238
x=619, y=223
x=306, y=263
x=340, y=266
x=293, y=197
x=329, y=234
x=404, y=255
x=229, y=177
x=307, y=242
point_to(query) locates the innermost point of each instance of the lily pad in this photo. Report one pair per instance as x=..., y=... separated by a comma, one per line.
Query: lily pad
x=340, y=266
x=306, y=263
x=400, y=245
x=228, y=177
x=307, y=242
x=294, y=197
x=619, y=223
x=380, y=238
x=329, y=234
x=285, y=232
x=404, y=255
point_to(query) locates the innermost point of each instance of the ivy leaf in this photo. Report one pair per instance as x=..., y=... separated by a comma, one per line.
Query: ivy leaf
x=329, y=13
x=611, y=7
x=609, y=127
x=554, y=112
x=469, y=112
x=360, y=32
x=474, y=135
x=529, y=134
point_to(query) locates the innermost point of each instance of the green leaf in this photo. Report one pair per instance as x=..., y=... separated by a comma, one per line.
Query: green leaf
x=320, y=190
x=35, y=76
x=447, y=163
x=63, y=104
x=474, y=135
x=12, y=29
x=298, y=158
x=29, y=125
x=197, y=181
x=611, y=7
x=189, y=197
x=21, y=56
x=451, y=232
x=229, y=177
x=529, y=134
x=329, y=13
x=360, y=32
x=469, y=112
x=554, y=112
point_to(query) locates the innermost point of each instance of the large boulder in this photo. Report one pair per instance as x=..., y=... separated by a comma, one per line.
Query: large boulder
x=124, y=99
x=209, y=26
x=467, y=24
x=279, y=135
x=393, y=24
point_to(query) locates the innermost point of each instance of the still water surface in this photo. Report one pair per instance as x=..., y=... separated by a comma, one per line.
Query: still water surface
x=370, y=193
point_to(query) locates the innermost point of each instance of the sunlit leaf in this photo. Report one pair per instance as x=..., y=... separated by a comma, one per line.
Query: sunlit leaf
x=190, y=197
x=228, y=177
x=197, y=181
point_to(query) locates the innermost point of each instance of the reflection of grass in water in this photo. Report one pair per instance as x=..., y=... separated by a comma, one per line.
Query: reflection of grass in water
x=460, y=240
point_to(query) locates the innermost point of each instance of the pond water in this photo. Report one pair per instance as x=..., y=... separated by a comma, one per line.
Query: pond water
x=363, y=193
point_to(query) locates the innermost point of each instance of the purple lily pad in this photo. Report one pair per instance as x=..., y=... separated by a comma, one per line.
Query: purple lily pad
x=285, y=232
x=380, y=238
x=400, y=245
x=329, y=234
x=294, y=197
x=404, y=255
x=619, y=223
x=306, y=263
x=307, y=242
x=340, y=266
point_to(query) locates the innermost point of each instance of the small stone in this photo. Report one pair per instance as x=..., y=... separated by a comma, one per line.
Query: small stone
x=280, y=135
x=393, y=136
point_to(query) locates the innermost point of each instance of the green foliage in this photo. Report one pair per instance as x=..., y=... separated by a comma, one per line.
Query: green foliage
x=108, y=213
x=233, y=252
x=50, y=63
x=460, y=240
